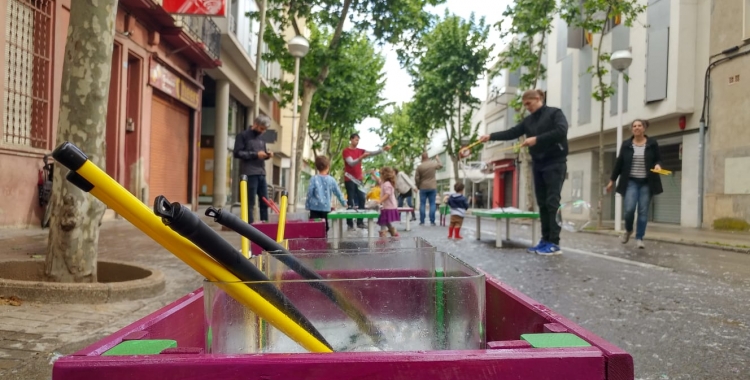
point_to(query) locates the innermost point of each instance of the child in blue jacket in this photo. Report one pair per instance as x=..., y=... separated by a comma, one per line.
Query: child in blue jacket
x=319, y=193
x=458, y=204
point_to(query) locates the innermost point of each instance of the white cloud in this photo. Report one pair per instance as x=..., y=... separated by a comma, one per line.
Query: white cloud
x=397, y=87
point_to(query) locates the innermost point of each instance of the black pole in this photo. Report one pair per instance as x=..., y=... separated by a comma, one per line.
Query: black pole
x=233, y=222
x=180, y=219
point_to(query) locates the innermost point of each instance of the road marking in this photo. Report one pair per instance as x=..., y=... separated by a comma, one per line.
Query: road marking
x=587, y=253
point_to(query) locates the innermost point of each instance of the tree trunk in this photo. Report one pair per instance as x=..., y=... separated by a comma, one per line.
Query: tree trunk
x=602, y=94
x=455, y=144
x=74, y=227
x=308, y=92
x=600, y=188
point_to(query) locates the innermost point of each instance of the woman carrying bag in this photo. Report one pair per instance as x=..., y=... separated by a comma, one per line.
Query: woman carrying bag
x=638, y=184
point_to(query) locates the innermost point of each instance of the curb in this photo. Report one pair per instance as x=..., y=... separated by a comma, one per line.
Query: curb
x=118, y=288
x=689, y=243
x=681, y=242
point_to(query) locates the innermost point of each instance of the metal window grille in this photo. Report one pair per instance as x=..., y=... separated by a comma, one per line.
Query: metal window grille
x=27, y=94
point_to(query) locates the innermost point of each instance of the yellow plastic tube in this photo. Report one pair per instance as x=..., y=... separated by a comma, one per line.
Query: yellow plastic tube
x=244, y=215
x=282, y=219
x=131, y=208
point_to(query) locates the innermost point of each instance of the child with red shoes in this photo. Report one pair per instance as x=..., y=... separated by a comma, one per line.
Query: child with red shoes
x=458, y=204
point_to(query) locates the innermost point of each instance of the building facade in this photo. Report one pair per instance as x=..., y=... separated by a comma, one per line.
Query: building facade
x=154, y=110
x=669, y=45
x=727, y=189
x=229, y=104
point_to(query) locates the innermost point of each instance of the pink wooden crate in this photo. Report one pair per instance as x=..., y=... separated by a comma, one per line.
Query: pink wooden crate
x=509, y=314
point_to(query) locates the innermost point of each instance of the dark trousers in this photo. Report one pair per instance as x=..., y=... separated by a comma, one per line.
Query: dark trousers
x=354, y=198
x=256, y=186
x=409, y=201
x=320, y=215
x=548, y=182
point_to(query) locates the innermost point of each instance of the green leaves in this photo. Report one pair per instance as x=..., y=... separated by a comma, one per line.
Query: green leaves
x=452, y=58
x=406, y=138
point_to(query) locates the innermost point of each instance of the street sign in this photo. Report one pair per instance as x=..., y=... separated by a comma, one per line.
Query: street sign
x=196, y=7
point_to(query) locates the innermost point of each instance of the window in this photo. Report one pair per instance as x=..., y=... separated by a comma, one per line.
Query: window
x=27, y=93
x=657, y=50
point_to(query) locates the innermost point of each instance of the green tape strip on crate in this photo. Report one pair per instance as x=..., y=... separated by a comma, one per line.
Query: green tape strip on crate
x=141, y=347
x=440, y=309
x=554, y=340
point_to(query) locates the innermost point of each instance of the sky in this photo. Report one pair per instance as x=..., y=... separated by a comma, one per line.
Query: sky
x=397, y=87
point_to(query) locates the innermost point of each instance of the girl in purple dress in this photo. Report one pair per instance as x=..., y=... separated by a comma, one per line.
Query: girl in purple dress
x=389, y=206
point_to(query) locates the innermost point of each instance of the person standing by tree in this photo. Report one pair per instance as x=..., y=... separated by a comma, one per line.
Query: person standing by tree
x=638, y=183
x=546, y=131
x=252, y=152
x=353, y=157
x=427, y=185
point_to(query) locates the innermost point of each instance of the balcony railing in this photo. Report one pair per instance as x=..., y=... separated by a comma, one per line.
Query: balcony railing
x=205, y=30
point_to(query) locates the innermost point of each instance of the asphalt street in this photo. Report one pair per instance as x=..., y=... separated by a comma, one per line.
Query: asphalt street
x=682, y=312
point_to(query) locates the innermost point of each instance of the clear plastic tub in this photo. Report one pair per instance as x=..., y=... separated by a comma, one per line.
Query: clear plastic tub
x=417, y=300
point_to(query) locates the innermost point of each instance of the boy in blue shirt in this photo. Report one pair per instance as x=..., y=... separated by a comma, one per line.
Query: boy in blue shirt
x=319, y=192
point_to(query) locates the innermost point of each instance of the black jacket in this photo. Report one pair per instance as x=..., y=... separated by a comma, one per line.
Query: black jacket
x=246, y=147
x=625, y=162
x=549, y=126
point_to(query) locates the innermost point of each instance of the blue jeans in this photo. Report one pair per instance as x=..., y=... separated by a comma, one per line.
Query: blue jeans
x=637, y=196
x=256, y=185
x=424, y=195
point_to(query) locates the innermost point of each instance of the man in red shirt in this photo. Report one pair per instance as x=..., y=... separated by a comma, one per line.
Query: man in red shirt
x=353, y=157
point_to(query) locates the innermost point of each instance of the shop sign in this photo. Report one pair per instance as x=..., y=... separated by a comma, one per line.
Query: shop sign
x=195, y=7
x=169, y=83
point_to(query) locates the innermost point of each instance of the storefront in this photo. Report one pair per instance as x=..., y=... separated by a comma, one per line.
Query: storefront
x=505, y=184
x=172, y=105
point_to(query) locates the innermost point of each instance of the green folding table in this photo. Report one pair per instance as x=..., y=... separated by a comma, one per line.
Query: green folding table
x=337, y=219
x=499, y=215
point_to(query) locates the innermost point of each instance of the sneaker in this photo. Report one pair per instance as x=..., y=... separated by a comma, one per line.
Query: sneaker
x=625, y=237
x=549, y=249
x=640, y=244
x=537, y=247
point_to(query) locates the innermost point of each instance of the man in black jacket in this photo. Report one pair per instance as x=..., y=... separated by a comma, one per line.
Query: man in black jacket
x=252, y=152
x=546, y=131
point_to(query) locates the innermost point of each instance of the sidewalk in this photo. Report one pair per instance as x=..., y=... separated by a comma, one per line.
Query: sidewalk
x=33, y=335
x=729, y=241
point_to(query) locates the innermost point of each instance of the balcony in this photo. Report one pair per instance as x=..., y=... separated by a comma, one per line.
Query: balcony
x=197, y=38
x=203, y=30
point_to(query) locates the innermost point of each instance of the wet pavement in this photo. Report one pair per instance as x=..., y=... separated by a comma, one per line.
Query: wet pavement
x=681, y=311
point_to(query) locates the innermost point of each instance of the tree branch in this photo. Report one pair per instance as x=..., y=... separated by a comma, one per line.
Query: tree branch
x=335, y=39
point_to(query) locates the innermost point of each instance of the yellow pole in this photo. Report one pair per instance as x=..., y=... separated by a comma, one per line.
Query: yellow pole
x=282, y=218
x=121, y=201
x=244, y=214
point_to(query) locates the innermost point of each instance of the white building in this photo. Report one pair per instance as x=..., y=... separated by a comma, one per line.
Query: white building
x=669, y=44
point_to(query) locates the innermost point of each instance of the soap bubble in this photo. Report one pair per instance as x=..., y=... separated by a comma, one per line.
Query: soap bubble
x=574, y=216
x=474, y=171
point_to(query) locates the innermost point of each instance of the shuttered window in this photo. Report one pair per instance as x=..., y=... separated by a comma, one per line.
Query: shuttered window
x=584, y=86
x=657, y=50
x=170, y=149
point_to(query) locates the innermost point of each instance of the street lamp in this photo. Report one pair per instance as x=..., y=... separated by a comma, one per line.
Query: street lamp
x=298, y=47
x=620, y=61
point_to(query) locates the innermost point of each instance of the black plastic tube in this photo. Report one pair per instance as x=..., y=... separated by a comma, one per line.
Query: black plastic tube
x=181, y=220
x=233, y=222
